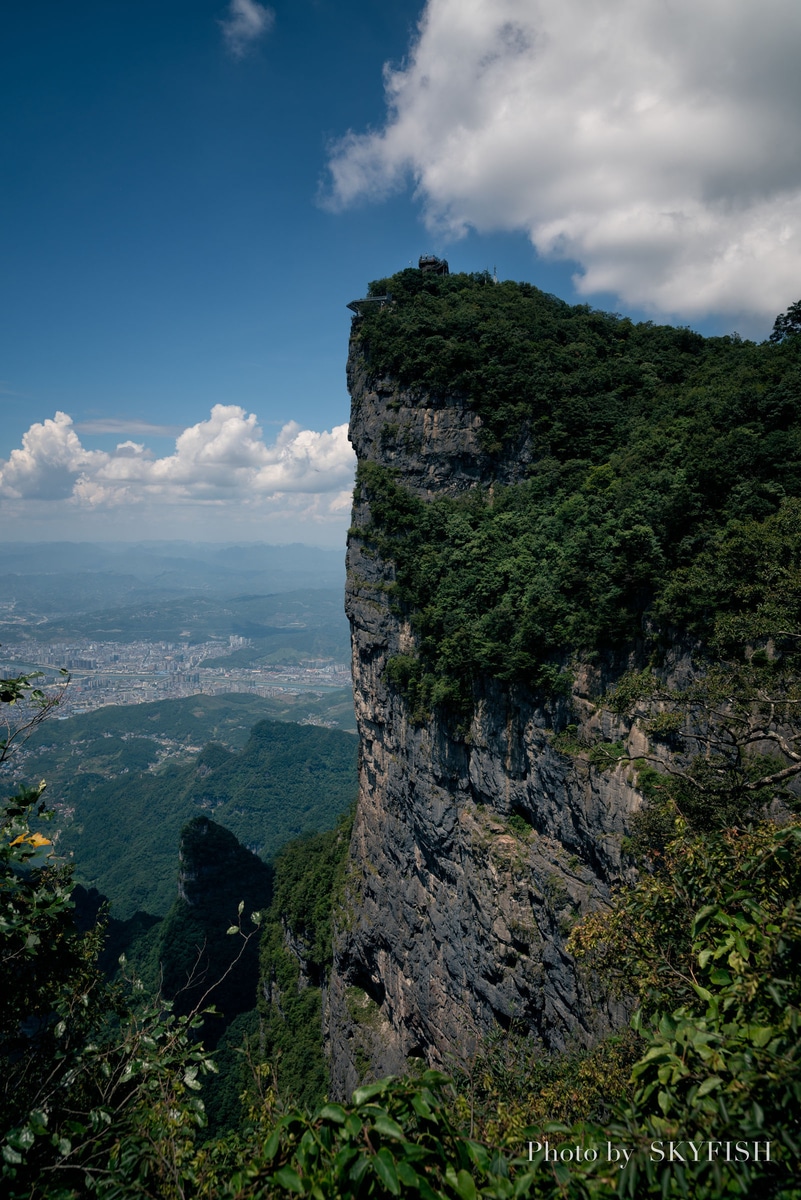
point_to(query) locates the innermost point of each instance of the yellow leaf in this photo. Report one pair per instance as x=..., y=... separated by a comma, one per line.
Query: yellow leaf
x=35, y=839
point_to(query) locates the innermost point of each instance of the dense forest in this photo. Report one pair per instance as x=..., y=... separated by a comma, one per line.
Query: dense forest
x=663, y=499
x=662, y=510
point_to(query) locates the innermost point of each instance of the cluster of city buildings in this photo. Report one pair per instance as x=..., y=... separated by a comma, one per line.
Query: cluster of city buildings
x=134, y=672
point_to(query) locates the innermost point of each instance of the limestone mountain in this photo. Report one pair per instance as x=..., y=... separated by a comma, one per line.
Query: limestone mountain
x=548, y=499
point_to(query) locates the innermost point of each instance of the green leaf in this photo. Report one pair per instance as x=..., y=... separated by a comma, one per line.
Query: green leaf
x=412, y=1151
x=353, y=1125
x=384, y=1167
x=363, y=1094
x=343, y=1160
x=407, y=1175
x=272, y=1144
x=465, y=1187
x=289, y=1179
x=709, y=1085
x=333, y=1112
x=373, y=1110
x=479, y=1154
x=38, y=1120
x=760, y=1035
x=702, y=915
x=359, y=1168
x=388, y=1128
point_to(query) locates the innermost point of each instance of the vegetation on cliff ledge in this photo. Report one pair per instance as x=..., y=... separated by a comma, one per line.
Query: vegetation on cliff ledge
x=296, y=958
x=664, y=491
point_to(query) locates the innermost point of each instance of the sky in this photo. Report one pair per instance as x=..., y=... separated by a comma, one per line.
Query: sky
x=193, y=190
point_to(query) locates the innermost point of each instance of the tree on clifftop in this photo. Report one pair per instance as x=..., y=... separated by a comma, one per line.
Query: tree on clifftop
x=787, y=324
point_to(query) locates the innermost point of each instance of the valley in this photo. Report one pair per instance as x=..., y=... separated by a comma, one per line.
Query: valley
x=191, y=701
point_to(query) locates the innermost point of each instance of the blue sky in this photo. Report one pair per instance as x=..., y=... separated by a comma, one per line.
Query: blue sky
x=194, y=189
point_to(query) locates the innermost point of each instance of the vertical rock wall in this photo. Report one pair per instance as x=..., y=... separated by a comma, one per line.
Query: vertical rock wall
x=456, y=917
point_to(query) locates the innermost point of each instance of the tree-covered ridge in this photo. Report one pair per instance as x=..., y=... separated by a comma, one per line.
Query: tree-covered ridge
x=296, y=958
x=189, y=957
x=664, y=490
x=577, y=377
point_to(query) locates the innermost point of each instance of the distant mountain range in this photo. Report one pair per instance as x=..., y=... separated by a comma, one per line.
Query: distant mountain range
x=51, y=578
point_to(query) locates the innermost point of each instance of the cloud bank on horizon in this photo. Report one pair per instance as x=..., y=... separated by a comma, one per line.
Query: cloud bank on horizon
x=223, y=461
x=654, y=142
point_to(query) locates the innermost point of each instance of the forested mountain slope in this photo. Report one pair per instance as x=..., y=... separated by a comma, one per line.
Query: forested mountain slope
x=122, y=804
x=288, y=779
x=626, y=480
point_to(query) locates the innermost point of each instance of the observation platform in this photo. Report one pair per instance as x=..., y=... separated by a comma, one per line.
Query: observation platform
x=360, y=307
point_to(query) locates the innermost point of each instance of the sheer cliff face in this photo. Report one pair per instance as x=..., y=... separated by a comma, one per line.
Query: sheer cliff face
x=455, y=915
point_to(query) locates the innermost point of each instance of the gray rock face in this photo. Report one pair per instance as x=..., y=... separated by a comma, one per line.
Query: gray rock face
x=455, y=916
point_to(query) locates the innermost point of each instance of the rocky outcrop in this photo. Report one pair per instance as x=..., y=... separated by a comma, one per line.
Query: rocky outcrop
x=216, y=871
x=472, y=854
x=200, y=962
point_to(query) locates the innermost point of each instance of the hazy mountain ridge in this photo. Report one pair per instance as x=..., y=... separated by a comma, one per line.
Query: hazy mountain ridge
x=311, y=620
x=175, y=566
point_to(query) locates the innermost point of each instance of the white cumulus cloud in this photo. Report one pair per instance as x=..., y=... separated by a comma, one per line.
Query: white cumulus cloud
x=654, y=142
x=221, y=460
x=49, y=462
x=245, y=23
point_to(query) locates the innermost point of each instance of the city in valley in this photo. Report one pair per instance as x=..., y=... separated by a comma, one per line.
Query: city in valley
x=135, y=672
x=164, y=621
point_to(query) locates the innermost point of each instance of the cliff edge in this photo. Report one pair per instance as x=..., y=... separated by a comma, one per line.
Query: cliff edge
x=477, y=847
